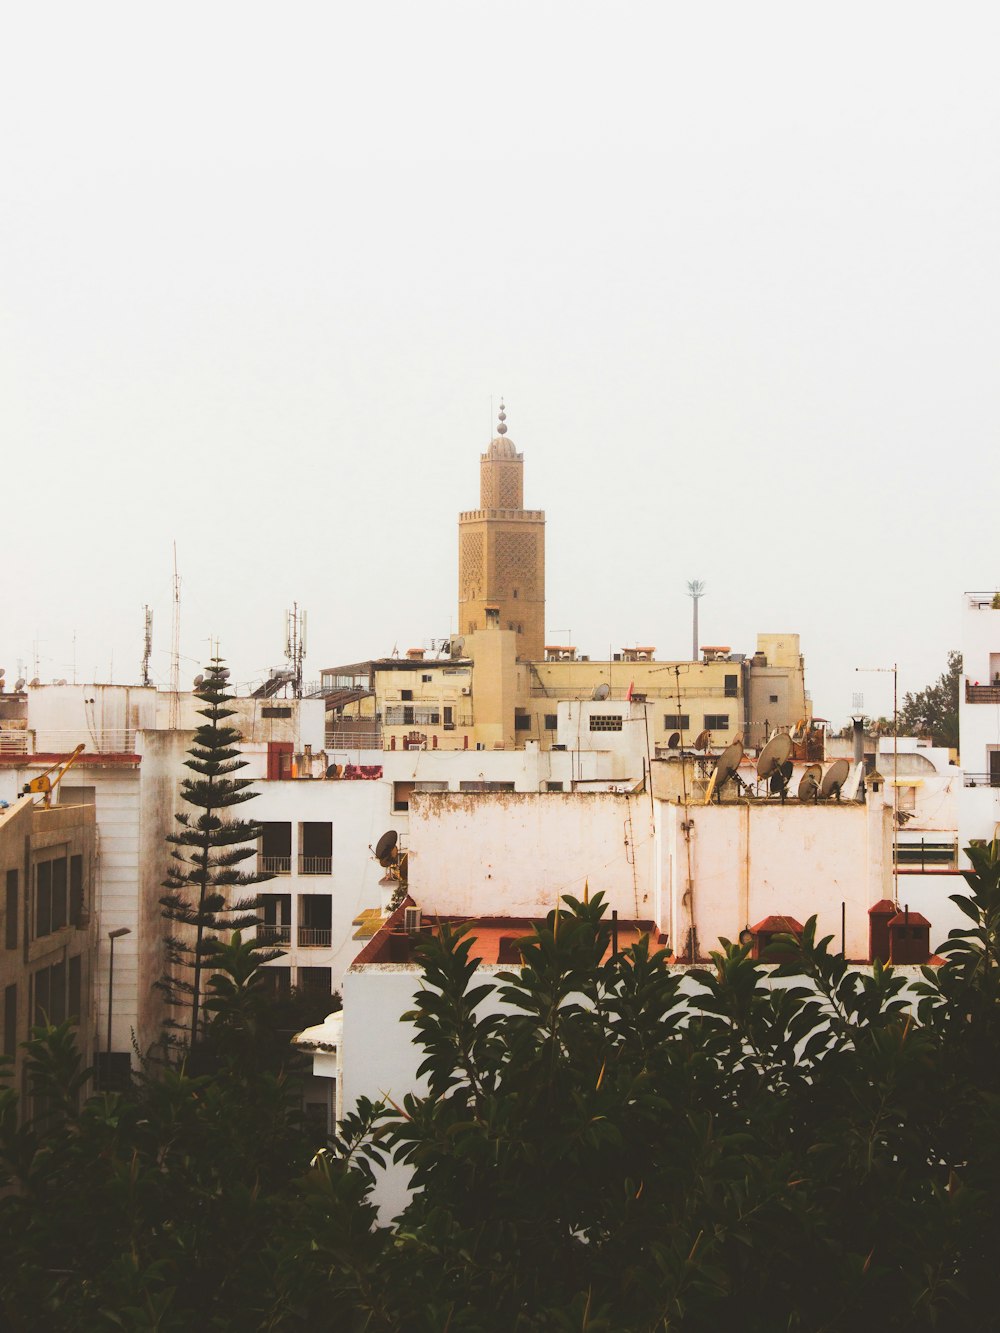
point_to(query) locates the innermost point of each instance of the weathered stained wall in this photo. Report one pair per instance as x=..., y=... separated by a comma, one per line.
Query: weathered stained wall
x=750, y=861
x=516, y=854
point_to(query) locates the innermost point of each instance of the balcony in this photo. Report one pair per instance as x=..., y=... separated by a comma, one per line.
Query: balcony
x=314, y=937
x=274, y=865
x=315, y=865
x=981, y=779
x=273, y=934
x=982, y=694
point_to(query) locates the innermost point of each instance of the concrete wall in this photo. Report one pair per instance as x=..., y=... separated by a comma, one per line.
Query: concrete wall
x=517, y=854
x=748, y=862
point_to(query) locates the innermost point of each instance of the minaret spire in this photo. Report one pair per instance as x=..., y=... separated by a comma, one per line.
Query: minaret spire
x=502, y=420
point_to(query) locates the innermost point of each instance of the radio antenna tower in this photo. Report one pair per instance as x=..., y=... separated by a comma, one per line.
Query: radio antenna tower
x=295, y=645
x=147, y=645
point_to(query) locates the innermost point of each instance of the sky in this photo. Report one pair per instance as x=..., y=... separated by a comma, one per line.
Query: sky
x=266, y=272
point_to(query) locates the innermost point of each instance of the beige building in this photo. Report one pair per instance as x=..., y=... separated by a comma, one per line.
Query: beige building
x=498, y=685
x=47, y=927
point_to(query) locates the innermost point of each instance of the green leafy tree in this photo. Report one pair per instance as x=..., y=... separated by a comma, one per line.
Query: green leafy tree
x=208, y=851
x=934, y=711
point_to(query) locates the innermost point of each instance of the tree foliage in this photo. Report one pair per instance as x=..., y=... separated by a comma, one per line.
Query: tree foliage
x=208, y=851
x=605, y=1144
x=934, y=711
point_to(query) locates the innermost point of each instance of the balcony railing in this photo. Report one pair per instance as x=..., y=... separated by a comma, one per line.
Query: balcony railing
x=353, y=738
x=981, y=779
x=274, y=865
x=315, y=865
x=273, y=934
x=926, y=856
x=982, y=694
x=314, y=937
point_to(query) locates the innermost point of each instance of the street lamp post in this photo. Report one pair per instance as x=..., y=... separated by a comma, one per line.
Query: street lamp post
x=112, y=936
x=695, y=590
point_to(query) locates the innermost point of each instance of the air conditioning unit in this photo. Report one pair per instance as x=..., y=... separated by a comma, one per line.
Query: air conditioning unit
x=466, y=689
x=411, y=920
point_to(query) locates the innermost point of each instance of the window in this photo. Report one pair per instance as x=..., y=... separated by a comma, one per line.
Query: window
x=492, y=617
x=49, y=985
x=401, y=793
x=275, y=848
x=676, y=721
x=449, y=717
x=732, y=684
x=74, y=993
x=716, y=721
x=515, y=594
x=406, y=695
x=426, y=679
x=51, y=901
x=907, y=798
x=76, y=907
x=315, y=848
x=772, y=698
x=11, y=917
x=10, y=1020
x=315, y=980
x=554, y=786
x=276, y=710
x=605, y=722
x=551, y=722
x=315, y=920
x=275, y=918
x=481, y=786
x=522, y=721
x=60, y=894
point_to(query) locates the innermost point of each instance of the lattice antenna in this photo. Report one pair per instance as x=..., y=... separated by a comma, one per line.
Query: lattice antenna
x=147, y=644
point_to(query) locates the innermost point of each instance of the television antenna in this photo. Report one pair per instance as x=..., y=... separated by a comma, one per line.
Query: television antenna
x=295, y=645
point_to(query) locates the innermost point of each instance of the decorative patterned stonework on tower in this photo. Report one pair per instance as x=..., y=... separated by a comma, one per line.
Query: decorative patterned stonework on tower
x=501, y=553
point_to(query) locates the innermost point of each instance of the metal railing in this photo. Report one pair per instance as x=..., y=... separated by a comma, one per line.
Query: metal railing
x=273, y=934
x=981, y=779
x=982, y=694
x=926, y=856
x=315, y=865
x=343, y=738
x=274, y=865
x=314, y=937
x=13, y=742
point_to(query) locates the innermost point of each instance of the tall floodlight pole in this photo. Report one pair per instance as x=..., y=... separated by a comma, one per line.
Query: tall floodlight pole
x=695, y=590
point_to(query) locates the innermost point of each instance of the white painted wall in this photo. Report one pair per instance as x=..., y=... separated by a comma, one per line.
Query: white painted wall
x=750, y=861
x=517, y=854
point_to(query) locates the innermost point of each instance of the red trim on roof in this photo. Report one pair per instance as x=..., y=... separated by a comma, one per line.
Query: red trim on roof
x=786, y=925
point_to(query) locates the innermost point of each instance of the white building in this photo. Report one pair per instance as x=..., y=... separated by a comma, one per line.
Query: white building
x=979, y=716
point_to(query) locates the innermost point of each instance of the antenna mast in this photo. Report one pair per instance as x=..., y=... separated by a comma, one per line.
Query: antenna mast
x=295, y=645
x=175, y=650
x=147, y=644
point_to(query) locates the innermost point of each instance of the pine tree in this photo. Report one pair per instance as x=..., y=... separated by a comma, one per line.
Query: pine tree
x=207, y=852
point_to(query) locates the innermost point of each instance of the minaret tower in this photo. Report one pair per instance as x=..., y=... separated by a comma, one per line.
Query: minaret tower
x=501, y=553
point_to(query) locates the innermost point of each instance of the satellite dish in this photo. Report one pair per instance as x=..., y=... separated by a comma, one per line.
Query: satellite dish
x=385, y=847
x=775, y=753
x=34, y=682
x=834, y=778
x=601, y=692
x=674, y=740
x=19, y=683
x=729, y=762
x=199, y=682
x=457, y=646
x=809, y=783
x=701, y=740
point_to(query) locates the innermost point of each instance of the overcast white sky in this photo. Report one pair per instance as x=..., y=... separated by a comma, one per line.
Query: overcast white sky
x=734, y=267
